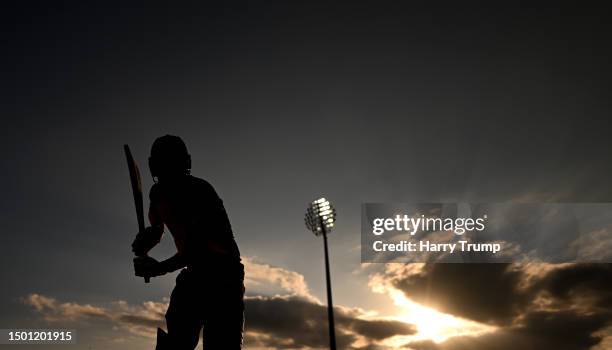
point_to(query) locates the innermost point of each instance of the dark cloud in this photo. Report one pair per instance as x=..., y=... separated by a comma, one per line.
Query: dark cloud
x=589, y=285
x=376, y=329
x=562, y=330
x=153, y=322
x=297, y=323
x=535, y=306
x=481, y=292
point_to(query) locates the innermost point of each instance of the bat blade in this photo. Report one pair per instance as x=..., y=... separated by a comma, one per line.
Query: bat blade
x=136, y=187
x=136, y=183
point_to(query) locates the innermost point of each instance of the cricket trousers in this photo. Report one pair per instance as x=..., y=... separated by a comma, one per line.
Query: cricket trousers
x=209, y=301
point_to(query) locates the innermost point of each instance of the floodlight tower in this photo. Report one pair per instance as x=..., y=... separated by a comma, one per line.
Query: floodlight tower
x=320, y=218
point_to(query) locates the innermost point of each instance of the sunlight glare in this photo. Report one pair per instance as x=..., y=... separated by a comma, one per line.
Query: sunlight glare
x=432, y=324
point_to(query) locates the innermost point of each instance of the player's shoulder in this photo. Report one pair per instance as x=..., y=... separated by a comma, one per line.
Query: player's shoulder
x=202, y=185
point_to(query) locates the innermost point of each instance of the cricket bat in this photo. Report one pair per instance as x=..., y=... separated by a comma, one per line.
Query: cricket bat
x=136, y=191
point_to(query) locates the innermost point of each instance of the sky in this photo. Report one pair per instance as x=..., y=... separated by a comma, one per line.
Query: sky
x=281, y=103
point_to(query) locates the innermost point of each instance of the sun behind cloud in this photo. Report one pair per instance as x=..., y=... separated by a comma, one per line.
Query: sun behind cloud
x=432, y=324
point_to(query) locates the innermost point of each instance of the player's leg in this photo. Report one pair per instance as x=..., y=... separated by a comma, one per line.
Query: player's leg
x=183, y=317
x=224, y=318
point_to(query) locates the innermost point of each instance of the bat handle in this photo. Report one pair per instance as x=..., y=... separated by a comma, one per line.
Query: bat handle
x=147, y=279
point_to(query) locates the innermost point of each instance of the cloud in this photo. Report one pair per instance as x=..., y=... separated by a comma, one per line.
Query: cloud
x=484, y=293
x=565, y=330
x=534, y=306
x=283, y=322
x=140, y=319
x=266, y=279
x=292, y=320
x=297, y=323
x=52, y=310
x=593, y=246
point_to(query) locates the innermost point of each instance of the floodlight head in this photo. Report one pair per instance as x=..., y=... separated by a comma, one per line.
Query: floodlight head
x=320, y=216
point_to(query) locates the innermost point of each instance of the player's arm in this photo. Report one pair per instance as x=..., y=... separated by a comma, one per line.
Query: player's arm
x=147, y=266
x=151, y=236
x=178, y=260
x=156, y=222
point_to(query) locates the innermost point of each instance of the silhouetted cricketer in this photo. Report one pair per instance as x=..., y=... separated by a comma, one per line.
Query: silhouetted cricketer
x=209, y=291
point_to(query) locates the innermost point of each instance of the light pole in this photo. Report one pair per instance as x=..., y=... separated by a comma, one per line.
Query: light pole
x=320, y=218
